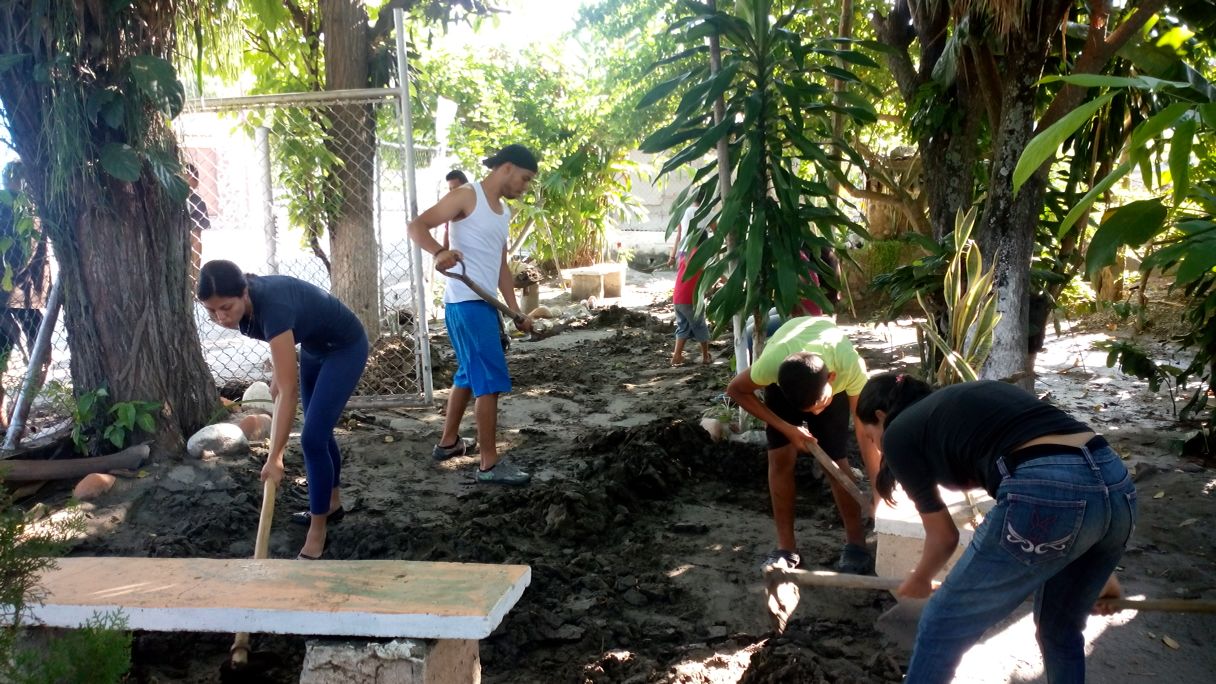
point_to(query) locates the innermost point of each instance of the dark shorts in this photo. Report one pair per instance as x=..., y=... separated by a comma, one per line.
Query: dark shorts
x=831, y=427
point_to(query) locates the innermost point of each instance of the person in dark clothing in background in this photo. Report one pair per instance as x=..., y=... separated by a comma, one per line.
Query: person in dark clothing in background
x=26, y=264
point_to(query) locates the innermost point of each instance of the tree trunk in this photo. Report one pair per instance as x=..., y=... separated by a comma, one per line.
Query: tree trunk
x=355, y=269
x=123, y=249
x=129, y=309
x=1007, y=230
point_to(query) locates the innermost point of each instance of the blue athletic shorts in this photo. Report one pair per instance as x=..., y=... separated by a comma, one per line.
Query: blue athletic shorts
x=481, y=363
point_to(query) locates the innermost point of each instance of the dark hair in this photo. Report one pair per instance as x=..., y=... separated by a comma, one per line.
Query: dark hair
x=221, y=278
x=890, y=393
x=456, y=174
x=518, y=155
x=801, y=378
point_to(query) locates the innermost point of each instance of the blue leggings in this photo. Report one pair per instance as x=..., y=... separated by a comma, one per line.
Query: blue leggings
x=326, y=383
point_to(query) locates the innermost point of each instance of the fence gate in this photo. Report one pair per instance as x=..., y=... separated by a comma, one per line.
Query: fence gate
x=276, y=177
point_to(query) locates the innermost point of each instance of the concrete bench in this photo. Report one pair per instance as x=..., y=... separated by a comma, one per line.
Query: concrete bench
x=901, y=535
x=599, y=281
x=456, y=604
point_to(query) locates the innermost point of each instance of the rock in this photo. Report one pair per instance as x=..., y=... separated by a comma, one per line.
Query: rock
x=257, y=398
x=256, y=427
x=1189, y=467
x=568, y=632
x=635, y=598
x=93, y=486
x=541, y=312
x=220, y=439
x=401, y=424
x=690, y=528
x=183, y=474
x=714, y=427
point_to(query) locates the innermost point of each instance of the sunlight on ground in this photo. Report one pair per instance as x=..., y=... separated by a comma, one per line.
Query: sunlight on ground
x=724, y=667
x=1011, y=654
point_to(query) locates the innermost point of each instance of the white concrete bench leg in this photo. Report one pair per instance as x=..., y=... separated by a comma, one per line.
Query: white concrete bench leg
x=401, y=661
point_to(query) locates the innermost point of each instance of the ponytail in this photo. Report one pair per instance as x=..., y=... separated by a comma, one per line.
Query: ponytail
x=890, y=393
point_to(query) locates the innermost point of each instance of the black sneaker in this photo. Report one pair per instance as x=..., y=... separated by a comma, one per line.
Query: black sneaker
x=855, y=560
x=781, y=559
x=462, y=447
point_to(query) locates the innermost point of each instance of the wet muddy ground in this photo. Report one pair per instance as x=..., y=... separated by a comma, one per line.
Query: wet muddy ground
x=643, y=536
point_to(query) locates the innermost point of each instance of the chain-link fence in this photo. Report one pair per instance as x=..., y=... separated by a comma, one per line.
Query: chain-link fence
x=274, y=179
x=313, y=186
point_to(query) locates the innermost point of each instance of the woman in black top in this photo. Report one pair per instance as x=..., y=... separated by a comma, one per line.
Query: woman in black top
x=286, y=311
x=1065, y=507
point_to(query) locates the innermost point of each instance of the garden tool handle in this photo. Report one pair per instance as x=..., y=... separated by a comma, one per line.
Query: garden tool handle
x=480, y=292
x=829, y=466
x=239, y=653
x=1161, y=605
x=837, y=580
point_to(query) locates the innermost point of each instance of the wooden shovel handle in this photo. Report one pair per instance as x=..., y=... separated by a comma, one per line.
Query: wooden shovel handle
x=1162, y=605
x=829, y=466
x=261, y=549
x=837, y=580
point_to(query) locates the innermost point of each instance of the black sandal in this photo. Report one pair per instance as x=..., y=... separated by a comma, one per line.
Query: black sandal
x=305, y=518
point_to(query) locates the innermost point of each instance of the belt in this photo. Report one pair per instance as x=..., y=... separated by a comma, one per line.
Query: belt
x=1016, y=458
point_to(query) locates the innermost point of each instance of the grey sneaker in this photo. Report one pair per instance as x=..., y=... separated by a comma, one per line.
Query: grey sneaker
x=780, y=558
x=462, y=447
x=503, y=473
x=855, y=560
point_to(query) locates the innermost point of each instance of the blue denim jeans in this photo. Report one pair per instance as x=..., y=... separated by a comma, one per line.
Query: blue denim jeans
x=1058, y=529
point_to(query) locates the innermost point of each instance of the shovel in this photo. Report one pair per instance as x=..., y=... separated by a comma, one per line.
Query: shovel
x=507, y=311
x=781, y=590
x=899, y=623
x=239, y=653
x=829, y=466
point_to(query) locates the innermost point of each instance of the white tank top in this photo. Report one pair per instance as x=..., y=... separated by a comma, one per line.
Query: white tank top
x=481, y=237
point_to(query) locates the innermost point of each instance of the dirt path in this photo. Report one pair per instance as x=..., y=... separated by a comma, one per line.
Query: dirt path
x=644, y=536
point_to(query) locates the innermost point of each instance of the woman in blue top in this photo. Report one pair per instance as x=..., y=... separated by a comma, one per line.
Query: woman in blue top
x=286, y=311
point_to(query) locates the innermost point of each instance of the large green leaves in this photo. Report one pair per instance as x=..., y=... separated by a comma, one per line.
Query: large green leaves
x=780, y=212
x=156, y=80
x=120, y=161
x=1045, y=145
x=1130, y=225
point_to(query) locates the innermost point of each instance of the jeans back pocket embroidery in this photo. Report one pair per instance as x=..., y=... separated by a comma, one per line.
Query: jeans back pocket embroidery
x=1039, y=530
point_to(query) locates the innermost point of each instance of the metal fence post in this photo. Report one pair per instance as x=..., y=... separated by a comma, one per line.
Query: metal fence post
x=261, y=138
x=33, y=375
x=423, y=355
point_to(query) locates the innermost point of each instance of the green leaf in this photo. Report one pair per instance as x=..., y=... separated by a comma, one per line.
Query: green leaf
x=121, y=161
x=1085, y=202
x=1131, y=224
x=662, y=90
x=156, y=80
x=1156, y=124
x=1096, y=81
x=1044, y=146
x=8, y=61
x=1180, y=157
x=167, y=171
x=146, y=422
x=1199, y=260
x=116, y=435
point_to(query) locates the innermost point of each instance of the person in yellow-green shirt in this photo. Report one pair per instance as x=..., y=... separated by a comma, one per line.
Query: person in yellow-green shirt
x=811, y=377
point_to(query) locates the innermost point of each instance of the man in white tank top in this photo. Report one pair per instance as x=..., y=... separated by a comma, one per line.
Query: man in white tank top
x=478, y=238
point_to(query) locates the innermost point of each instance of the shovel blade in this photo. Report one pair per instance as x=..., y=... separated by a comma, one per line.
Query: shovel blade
x=899, y=623
x=782, y=599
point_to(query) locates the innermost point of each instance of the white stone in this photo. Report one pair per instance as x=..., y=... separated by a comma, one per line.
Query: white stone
x=257, y=398
x=401, y=661
x=220, y=439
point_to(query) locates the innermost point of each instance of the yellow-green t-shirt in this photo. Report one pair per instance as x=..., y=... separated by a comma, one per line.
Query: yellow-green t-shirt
x=816, y=335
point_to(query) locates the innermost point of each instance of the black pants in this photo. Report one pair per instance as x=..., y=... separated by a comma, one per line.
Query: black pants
x=830, y=427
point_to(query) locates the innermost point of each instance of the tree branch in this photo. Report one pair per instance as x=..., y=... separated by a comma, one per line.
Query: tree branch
x=894, y=31
x=1097, y=52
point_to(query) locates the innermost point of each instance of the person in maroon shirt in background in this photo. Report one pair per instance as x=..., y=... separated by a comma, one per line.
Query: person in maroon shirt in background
x=690, y=310
x=805, y=307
